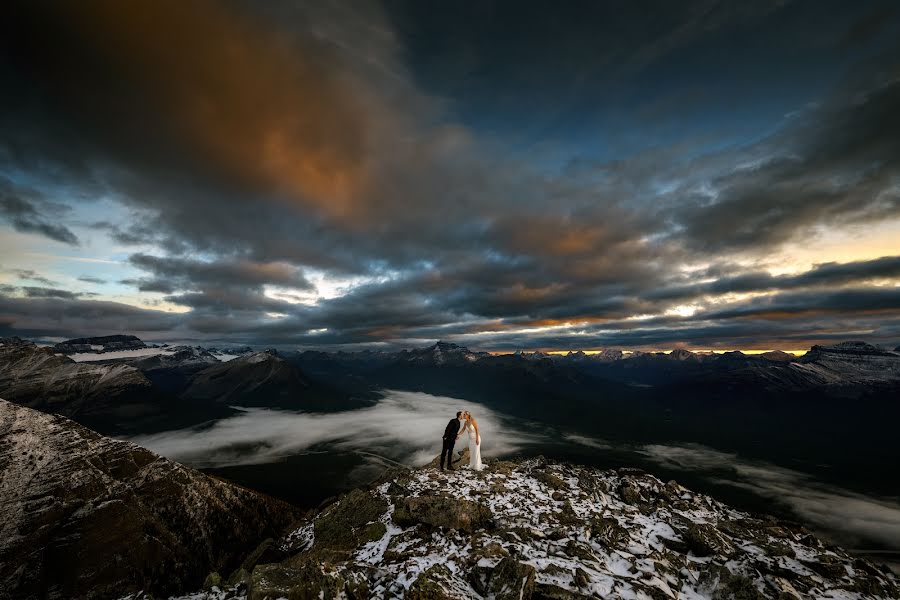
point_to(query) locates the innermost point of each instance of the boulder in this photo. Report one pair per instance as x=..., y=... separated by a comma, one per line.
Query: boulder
x=308, y=580
x=438, y=583
x=349, y=523
x=442, y=511
x=704, y=540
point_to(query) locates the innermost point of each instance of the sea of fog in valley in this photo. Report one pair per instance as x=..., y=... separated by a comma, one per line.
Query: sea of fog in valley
x=308, y=457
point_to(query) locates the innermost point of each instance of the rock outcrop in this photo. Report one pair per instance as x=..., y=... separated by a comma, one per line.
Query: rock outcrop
x=536, y=529
x=850, y=363
x=85, y=516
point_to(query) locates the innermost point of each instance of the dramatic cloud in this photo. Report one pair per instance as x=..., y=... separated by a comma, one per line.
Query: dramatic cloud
x=330, y=174
x=24, y=216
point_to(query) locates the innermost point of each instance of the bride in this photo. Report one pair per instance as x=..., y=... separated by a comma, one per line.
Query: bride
x=471, y=427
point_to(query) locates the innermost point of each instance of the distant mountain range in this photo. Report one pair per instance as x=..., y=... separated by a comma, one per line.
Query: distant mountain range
x=123, y=386
x=797, y=405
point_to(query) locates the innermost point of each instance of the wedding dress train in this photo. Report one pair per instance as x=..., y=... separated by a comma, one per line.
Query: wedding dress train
x=474, y=448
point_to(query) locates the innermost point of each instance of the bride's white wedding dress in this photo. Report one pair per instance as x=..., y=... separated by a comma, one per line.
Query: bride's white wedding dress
x=474, y=449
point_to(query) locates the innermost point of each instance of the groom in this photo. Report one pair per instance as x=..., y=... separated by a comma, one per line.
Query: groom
x=451, y=434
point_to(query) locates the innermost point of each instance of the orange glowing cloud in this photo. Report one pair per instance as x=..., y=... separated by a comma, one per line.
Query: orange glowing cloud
x=268, y=108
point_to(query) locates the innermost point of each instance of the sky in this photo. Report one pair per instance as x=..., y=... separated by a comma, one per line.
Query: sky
x=503, y=175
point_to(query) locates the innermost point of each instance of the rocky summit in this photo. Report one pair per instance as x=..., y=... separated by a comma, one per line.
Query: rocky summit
x=538, y=529
x=86, y=516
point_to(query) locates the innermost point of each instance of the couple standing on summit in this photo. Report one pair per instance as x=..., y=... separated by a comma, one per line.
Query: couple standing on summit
x=464, y=422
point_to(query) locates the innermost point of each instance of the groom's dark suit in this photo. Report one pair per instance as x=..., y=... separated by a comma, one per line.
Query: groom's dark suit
x=449, y=440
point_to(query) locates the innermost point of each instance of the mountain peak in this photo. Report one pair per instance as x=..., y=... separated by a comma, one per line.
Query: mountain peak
x=682, y=354
x=547, y=530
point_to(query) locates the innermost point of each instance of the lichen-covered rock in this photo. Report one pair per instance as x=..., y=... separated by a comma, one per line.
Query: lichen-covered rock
x=442, y=511
x=438, y=583
x=349, y=523
x=703, y=540
x=511, y=580
x=433, y=544
x=307, y=580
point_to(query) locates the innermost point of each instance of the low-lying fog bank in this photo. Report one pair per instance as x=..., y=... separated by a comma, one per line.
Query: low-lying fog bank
x=308, y=456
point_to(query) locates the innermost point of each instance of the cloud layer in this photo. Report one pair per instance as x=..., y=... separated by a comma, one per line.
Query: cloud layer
x=856, y=518
x=326, y=175
x=405, y=427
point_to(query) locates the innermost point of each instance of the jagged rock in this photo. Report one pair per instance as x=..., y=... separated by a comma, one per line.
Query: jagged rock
x=266, y=552
x=307, y=582
x=350, y=522
x=395, y=489
x=630, y=493
x=507, y=580
x=553, y=481
x=212, y=580
x=607, y=531
x=722, y=584
x=438, y=583
x=442, y=511
x=86, y=516
x=703, y=540
x=548, y=591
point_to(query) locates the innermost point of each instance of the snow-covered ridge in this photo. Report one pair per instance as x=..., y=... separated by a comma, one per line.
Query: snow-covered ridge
x=86, y=516
x=161, y=351
x=545, y=530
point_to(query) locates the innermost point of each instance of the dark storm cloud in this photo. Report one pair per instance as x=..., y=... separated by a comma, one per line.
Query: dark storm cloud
x=55, y=316
x=837, y=165
x=823, y=275
x=42, y=292
x=178, y=273
x=272, y=139
x=26, y=216
x=845, y=302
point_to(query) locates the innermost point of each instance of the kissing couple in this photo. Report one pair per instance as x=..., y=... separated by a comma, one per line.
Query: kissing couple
x=464, y=422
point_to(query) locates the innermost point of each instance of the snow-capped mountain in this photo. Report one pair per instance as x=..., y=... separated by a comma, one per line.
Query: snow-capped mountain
x=85, y=516
x=537, y=529
x=107, y=343
x=110, y=396
x=441, y=353
x=40, y=378
x=177, y=356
